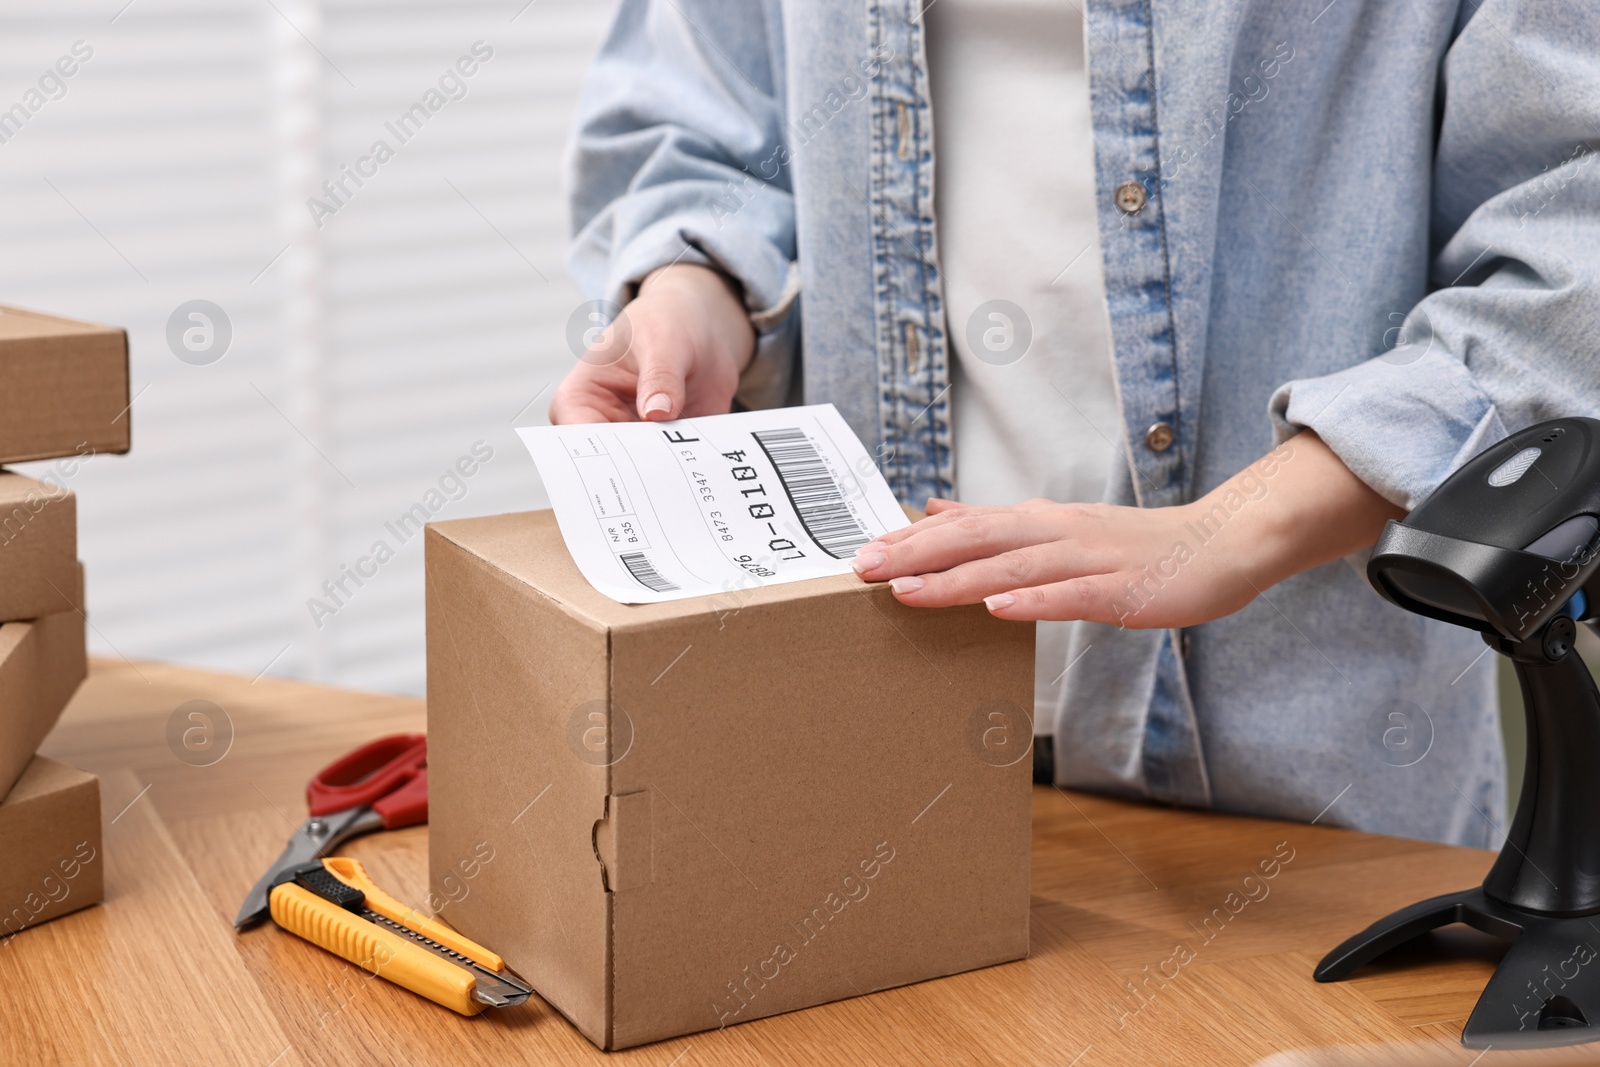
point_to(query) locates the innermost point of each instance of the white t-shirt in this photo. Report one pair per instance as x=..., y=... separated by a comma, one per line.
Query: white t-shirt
x=1034, y=402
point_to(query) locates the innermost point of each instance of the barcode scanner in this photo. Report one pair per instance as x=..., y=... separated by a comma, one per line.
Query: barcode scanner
x=1509, y=545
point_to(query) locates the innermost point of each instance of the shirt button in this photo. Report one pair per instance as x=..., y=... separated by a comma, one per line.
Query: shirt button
x=1129, y=197
x=1159, y=437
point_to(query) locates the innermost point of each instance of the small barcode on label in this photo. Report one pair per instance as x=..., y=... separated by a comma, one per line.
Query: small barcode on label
x=645, y=573
x=813, y=491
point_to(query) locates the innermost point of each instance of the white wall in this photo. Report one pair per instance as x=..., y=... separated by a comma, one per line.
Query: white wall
x=368, y=355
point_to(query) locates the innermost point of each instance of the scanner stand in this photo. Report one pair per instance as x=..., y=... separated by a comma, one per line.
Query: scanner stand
x=1543, y=892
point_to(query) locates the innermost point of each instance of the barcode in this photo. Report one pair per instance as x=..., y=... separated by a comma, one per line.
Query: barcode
x=813, y=491
x=645, y=573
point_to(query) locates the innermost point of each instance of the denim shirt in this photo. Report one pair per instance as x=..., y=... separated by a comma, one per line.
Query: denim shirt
x=1377, y=221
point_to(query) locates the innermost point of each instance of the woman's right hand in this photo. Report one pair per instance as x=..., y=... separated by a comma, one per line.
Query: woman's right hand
x=675, y=351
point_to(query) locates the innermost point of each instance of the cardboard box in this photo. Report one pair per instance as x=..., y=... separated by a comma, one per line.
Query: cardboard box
x=41, y=664
x=675, y=817
x=50, y=837
x=38, y=547
x=63, y=387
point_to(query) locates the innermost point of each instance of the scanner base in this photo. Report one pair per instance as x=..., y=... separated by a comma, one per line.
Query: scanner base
x=1546, y=990
x=1543, y=892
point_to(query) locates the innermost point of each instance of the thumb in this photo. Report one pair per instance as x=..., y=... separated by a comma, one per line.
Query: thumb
x=661, y=386
x=662, y=392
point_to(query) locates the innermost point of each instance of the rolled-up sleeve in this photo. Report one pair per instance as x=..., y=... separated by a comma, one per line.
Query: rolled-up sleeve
x=1510, y=332
x=678, y=156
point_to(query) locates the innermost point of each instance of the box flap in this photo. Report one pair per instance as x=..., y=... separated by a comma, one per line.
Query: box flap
x=623, y=842
x=527, y=545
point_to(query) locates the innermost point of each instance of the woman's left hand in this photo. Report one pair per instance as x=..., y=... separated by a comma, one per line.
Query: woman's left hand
x=1136, y=567
x=1296, y=508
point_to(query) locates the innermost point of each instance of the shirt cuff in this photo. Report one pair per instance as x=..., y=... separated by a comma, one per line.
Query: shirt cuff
x=769, y=379
x=760, y=269
x=1402, y=422
x=771, y=289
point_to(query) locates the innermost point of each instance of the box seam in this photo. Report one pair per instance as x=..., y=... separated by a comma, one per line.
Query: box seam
x=611, y=897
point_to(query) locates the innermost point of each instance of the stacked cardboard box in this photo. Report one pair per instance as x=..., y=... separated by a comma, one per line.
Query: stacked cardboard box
x=63, y=396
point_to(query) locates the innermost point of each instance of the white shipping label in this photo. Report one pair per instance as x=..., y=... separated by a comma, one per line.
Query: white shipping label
x=655, y=511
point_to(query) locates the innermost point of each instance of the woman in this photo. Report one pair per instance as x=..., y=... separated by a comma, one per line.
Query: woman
x=1279, y=269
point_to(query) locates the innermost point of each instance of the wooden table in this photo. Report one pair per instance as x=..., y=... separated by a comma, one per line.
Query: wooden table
x=157, y=974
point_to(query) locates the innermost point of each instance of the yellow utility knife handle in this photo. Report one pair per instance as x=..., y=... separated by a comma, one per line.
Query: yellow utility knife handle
x=351, y=873
x=370, y=947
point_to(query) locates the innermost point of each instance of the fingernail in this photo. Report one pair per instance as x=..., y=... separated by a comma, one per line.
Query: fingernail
x=902, y=586
x=866, y=561
x=999, y=601
x=657, y=402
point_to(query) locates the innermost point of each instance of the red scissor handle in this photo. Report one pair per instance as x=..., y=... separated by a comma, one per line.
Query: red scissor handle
x=390, y=774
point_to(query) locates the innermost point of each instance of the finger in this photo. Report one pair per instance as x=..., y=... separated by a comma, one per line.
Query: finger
x=663, y=368
x=701, y=404
x=581, y=398
x=711, y=386
x=971, y=583
x=935, y=521
x=1093, y=598
x=939, y=505
x=577, y=413
x=1089, y=517
x=965, y=538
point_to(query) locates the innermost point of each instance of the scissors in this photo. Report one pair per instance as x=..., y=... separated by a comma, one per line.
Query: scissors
x=331, y=902
x=383, y=785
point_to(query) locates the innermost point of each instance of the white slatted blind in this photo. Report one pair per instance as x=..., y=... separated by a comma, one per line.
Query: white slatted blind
x=368, y=355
